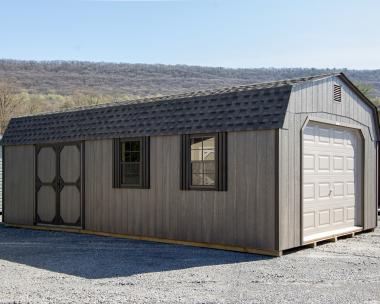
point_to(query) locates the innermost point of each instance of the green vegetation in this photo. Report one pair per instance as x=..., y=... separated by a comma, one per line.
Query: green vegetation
x=368, y=91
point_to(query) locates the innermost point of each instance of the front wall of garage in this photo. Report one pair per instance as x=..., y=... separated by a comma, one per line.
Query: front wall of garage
x=244, y=215
x=314, y=100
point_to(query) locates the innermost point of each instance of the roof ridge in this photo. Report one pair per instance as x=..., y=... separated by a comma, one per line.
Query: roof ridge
x=198, y=93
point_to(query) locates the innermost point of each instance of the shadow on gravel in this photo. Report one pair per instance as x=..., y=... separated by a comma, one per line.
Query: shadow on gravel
x=96, y=257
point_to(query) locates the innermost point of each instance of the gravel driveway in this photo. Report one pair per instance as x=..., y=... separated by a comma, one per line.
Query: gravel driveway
x=52, y=267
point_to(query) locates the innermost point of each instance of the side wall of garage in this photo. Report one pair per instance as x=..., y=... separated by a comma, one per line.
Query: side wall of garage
x=18, y=205
x=244, y=215
x=315, y=100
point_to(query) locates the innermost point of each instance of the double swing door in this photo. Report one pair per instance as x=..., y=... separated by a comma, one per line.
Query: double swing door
x=59, y=185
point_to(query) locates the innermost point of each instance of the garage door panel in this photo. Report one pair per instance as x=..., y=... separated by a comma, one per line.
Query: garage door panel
x=330, y=179
x=324, y=217
x=309, y=220
x=323, y=163
x=324, y=136
x=338, y=190
x=338, y=215
x=309, y=135
x=323, y=191
x=350, y=189
x=350, y=164
x=338, y=137
x=309, y=191
x=309, y=163
x=338, y=164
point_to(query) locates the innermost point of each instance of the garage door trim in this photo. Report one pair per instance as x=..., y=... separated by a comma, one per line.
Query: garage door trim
x=331, y=123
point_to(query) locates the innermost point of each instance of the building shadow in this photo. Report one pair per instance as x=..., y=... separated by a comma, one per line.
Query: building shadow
x=95, y=257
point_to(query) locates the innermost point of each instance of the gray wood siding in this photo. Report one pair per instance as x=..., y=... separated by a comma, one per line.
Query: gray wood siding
x=19, y=185
x=242, y=216
x=314, y=99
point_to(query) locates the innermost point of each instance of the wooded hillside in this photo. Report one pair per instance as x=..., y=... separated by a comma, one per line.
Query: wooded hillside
x=137, y=80
x=29, y=87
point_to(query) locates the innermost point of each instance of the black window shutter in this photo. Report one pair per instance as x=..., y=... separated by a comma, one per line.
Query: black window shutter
x=116, y=163
x=146, y=162
x=185, y=162
x=222, y=162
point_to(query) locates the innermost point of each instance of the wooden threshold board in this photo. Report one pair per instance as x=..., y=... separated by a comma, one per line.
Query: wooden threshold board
x=331, y=234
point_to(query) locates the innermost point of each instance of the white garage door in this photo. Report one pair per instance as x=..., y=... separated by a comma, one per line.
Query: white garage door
x=331, y=180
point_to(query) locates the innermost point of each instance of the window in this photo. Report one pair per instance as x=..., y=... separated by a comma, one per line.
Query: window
x=131, y=163
x=204, y=162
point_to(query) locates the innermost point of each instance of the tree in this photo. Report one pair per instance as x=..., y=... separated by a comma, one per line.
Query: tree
x=9, y=104
x=86, y=98
x=366, y=89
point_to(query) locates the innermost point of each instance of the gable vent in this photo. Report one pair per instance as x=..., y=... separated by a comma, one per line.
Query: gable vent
x=337, y=93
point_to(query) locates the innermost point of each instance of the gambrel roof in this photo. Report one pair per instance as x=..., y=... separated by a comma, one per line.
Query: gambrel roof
x=238, y=108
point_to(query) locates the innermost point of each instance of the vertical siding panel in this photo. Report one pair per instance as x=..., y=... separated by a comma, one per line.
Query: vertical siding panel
x=19, y=184
x=230, y=232
x=243, y=181
x=291, y=175
x=153, y=188
x=309, y=97
x=173, y=185
x=166, y=186
x=252, y=209
x=366, y=186
x=262, y=197
x=285, y=182
x=159, y=181
x=270, y=192
x=88, y=189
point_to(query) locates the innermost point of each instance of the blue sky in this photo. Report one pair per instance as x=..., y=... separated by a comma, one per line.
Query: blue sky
x=294, y=33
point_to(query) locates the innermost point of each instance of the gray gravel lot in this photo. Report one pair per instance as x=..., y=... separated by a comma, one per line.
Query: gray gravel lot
x=54, y=267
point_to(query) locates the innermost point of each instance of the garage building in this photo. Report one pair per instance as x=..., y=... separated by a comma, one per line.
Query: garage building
x=258, y=168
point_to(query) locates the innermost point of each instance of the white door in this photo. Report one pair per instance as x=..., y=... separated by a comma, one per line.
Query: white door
x=331, y=180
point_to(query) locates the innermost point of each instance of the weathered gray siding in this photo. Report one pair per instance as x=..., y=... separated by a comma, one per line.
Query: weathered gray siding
x=19, y=185
x=242, y=216
x=314, y=99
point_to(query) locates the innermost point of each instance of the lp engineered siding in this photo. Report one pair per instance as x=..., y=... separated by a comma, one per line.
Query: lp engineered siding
x=19, y=185
x=243, y=216
x=315, y=100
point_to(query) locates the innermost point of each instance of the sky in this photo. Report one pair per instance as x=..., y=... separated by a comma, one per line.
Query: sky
x=237, y=34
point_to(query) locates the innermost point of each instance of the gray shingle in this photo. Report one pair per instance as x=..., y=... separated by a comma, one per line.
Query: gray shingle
x=242, y=108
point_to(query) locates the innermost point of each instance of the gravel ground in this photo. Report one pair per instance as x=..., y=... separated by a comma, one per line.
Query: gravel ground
x=52, y=267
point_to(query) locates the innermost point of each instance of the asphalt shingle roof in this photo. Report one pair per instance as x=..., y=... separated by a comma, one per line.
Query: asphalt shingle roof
x=239, y=108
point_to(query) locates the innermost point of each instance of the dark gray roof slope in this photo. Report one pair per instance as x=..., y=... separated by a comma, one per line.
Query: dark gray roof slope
x=241, y=108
